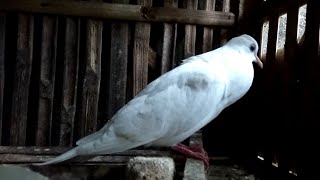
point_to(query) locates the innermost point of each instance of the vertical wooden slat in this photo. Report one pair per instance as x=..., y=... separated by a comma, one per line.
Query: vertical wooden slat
x=272, y=101
x=47, y=80
x=310, y=91
x=70, y=78
x=140, y=52
x=118, y=65
x=288, y=87
x=21, y=80
x=168, y=40
x=223, y=34
x=190, y=32
x=272, y=39
x=2, y=48
x=91, y=82
x=207, y=31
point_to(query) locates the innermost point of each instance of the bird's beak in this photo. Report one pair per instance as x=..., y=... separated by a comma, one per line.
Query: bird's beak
x=259, y=62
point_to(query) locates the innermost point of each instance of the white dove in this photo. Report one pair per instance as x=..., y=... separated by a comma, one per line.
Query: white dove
x=177, y=104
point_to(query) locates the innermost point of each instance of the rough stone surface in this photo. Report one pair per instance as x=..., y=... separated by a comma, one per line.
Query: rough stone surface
x=151, y=168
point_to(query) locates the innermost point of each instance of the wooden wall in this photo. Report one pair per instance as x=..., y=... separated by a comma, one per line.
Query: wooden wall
x=67, y=66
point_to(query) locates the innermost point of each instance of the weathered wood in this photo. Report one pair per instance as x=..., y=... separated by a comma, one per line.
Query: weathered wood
x=21, y=81
x=194, y=169
x=27, y=154
x=70, y=78
x=91, y=83
x=223, y=34
x=33, y=150
x=47, y=79
x=207, y=31
x=140, y=52
x=275, y=7
x=152, y=58
x=272, y=39
x=2, y=50
x=121, y=12
x=168, y=40
x=190, y=32
x=118, y=65
x=22, y=158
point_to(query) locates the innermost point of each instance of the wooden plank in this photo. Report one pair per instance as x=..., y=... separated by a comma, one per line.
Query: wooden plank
x=91, y=83
x=288, y=90
x=223, y=34
x=207, y=31
x=140, y=52
x=29, y=154
x=34, y=150
x=190, y=32
x=70, y=78
x=152, y=57
x=272, y=39
x=168, y=40
x=114, y=159
x=2, y=78
x=21, y=81
x=118, y=65
x=121, y=12
x=47, y=79
x=275, y=7
x=195, y=169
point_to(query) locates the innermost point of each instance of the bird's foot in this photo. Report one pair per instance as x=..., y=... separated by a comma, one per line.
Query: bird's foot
x=195, y=152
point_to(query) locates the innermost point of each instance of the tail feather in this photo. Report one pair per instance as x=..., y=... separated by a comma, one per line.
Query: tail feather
x=63, y=157
x=89, y=138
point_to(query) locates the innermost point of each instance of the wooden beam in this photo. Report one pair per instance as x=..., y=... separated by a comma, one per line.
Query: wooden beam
x=125, y=12
x=168, y=40
x=27, y=154
x=70, y=78
x=190, y=32
x=2, y=50
x=19, y=111
x=224, y=32
x=88, y=106
x=275, y=7
x=118, y=65
x=140, y=53
x=47, y=79
x=207, y=31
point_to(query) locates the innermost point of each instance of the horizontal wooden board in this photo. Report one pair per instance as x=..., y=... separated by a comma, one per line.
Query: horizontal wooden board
x=121, y=12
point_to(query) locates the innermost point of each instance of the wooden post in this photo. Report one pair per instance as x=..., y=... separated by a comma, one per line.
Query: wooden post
x=168, y=40
x=47, y=79
x=88, y=106
x=70, y=78
x=2, y=50
x=140, y=52
x=21, y=80
x=118, y=65
x=207, y=31
x=190, y=32
x=289, y=89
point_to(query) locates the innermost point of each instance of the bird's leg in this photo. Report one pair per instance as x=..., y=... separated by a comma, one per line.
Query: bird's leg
x=194, y=152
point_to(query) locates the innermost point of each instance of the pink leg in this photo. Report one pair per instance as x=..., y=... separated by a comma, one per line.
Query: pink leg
x=193, y=152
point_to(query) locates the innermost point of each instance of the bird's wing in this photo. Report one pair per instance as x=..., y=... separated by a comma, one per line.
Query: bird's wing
x=175, y=102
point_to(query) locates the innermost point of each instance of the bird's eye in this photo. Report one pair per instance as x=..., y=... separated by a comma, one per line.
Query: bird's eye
x=252, y=47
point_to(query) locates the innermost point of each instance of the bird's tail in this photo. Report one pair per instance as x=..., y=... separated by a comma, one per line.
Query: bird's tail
x=65, y=156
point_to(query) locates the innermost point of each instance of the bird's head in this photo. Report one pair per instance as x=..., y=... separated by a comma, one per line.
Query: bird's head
x=248, y=46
